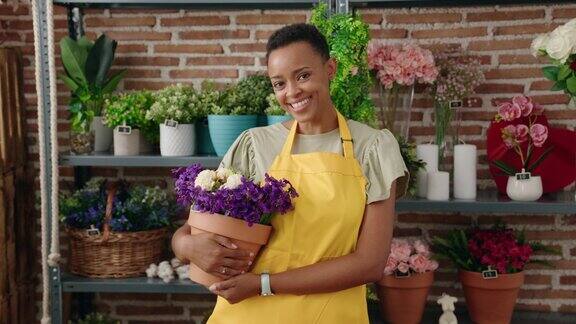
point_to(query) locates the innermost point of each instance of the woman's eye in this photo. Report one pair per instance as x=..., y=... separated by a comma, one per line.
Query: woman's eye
x=304, y=76
x=277, y=85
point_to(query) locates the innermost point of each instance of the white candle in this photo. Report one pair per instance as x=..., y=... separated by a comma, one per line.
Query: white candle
x=429, y=154
x=438, y=186
x=465, y=171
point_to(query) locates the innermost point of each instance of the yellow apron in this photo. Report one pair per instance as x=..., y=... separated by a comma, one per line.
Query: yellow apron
x=323, y=225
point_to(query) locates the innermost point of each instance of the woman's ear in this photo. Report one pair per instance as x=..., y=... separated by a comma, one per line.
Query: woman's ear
x=332, y=67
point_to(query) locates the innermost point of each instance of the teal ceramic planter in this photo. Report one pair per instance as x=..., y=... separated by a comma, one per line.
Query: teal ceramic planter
x=277, y=119
x=224, y=129
x=204, y=141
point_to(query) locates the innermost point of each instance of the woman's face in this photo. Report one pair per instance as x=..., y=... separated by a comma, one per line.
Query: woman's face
x=301, y=78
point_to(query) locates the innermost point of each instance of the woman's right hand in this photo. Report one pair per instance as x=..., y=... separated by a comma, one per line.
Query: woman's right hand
x=212, y=253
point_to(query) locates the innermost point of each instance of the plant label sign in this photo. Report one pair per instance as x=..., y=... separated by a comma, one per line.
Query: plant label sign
x=489, y=274
x=523, y=176
x=171, y=123
x=126, y=130
x=455, y=104
x=93, y=231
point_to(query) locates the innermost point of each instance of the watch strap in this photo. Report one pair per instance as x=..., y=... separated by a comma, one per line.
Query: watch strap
x=265, y=284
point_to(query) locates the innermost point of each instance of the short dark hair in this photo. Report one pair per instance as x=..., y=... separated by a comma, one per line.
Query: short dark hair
x=298, y=33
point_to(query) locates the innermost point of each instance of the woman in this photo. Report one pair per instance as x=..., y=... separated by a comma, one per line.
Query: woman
x=337, y=238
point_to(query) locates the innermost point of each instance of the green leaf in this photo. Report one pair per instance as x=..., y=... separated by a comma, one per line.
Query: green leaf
x=564, y=72
x=571, y=84
x=559, y=85
x=528, y=156
x=540, y=159
x=550, y=72
x=74, y=59
x=113, y=82
x=73, y=85
x=504, y=167
x=85, y=43
x=100, y=59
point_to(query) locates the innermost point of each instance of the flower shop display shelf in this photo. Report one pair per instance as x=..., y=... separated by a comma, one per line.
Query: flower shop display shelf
x=209, y=4
x=107, y=159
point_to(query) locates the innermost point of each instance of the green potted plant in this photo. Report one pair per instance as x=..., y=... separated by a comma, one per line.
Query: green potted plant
x=126, y=114
x=87, y=67
x=175, y=109
x=274, y=112
x=96, y=318
x=209, y=98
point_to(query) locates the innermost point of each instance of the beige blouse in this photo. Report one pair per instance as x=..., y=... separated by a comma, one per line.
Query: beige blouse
x=377, y=151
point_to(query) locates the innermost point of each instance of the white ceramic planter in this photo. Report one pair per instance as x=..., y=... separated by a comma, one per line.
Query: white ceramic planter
x=126, y=144
x=178, y=141
x=102, y=135
x=524, y=190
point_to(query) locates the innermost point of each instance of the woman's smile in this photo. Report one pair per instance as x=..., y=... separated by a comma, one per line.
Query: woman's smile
x=300, y=104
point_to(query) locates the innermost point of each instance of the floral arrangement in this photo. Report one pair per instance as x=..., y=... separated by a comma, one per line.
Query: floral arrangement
x=409, y=257
x=134, y=209
x=209, y=99
x=228, y=193
x=560, y=47
x=523, y=133
x=401, y=65
x=498, y=248
x=274, y=108
x=177, y=102
x=130, y=109
x=165, y=270
x=247, y=97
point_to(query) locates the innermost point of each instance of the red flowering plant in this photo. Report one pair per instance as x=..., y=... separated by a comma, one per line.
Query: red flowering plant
x=525, y=132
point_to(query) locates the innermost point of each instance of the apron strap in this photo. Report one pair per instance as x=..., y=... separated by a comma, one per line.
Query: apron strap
x=345, y=138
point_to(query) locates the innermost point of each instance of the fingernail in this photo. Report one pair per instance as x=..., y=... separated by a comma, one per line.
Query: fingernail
x=234, y=246
x=251, y=254
x=249, y=262
x=212, y=288
x=243, y=272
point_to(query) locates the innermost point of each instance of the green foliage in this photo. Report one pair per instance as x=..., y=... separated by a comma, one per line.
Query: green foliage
x=131, y=109
x=563, y=75
x=97, y=318
x=408, y=151
x=247, y=97
x=348, y=38
x=274, y=108
x=209, y=99
x=177, y=102
x=87, y=67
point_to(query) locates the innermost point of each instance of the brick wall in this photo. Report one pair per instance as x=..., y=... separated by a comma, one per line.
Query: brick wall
x=164, y=46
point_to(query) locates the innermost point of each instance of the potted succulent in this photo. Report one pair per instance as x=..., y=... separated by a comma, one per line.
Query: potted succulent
x=274, y=113
x=490, y=267
x=408, y=276
x=87, y=68
x=126, y=114
x=175, y=109
x=228, y=204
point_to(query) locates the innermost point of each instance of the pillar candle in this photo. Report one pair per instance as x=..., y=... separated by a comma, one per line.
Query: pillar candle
x=465, y=171
x=429, y=154
x=438, y=186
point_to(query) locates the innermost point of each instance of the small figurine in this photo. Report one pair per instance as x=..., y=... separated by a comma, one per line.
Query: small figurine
x=447, y=303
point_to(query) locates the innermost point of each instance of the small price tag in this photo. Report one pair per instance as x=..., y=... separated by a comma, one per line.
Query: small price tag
x=399, y=274
x=171, y=123
x=455, y=104
x=523, y=176
x=127, y=130
x=93, y=231
x=489, y=274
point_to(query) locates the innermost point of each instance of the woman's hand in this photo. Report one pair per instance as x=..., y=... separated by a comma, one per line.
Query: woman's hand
x=237, y=289
x=212, y=253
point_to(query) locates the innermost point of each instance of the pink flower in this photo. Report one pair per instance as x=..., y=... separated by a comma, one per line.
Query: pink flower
x=538, y=109
x=524, y=103
x=509, y=111
x=400, y=250
x=432, y=265
x=391, y=265
x=421, y=248
x=403, y=267
x=509, y=135
x=521, y=133
x=418, y=263
x=539, y=134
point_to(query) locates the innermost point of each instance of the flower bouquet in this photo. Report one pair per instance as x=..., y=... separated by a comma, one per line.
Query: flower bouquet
x=560, y=47
x=397, y=68
x=228, y=204
x=408, y=276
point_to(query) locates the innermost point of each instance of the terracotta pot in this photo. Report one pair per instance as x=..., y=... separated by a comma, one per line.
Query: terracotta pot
x=490, y=301
x=402, y=299
x=250, y=238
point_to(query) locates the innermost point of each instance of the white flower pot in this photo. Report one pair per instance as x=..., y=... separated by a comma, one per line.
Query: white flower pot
x=126, y=144
x=178, y=141
x=102, y=135
x=524, y=189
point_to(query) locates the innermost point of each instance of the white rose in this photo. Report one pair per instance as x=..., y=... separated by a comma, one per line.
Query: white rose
x=539, y=43
x=559, y=45
x=233, y=181
x=571, y=23
x=205, y=180
x=224, y=173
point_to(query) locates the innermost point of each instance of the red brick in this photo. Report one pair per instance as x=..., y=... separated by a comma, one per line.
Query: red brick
x=568, y=280
x=10, y=10
x=140, y=11
x=388, y=33
x=193, y=297
x=567, y=219
x=426, y=131
x=149, y=310
x=573, y=251
x=504, y=15
x=499, y=45
x=250, y=48
x=414, y=18
x=195, y=21
x=131, y=296
x=373, y=19
x=448, y=48
x=27, y=24
x=541, y=85
x=150, y=85
x=103, y=172
x=567, y=309
x=270, y=19
x=546, y=294
x=562, y=114
x=184, y=49
x=215, y=34
x=220, y=60
x=513, y=73
x=551, y=235
x=534, y=308
x=538, y=279
x=520, y=59
x=402, y=232
x=211, y=73
x=264, y=34
x=450, y=32
x=131, y=48
x=551, y=99
x=564, y=13
x=147, y=61
x=500, y=88
x=525, y=29
x=151, y=35
x=434, y=218
x=139, y=74
x=518, y=219
x=118, y=22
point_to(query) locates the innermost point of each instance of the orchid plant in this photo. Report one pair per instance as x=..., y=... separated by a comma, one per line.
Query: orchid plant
x=523, y=133
x=409, y=257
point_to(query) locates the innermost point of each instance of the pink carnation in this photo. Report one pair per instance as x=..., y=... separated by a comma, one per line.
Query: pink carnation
x=400, y=250
x=418, y=263
x=539, y=134
x=403, y=267
x=421, y=248
x=391, y=265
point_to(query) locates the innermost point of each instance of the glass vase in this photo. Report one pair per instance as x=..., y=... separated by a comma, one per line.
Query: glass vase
x=81, y=142
x=447, y=123
x=394, y=108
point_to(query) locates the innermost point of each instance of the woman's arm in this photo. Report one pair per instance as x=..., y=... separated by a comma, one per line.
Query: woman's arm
x=364, y=265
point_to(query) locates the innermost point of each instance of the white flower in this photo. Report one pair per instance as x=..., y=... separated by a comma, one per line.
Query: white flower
x=182, y=272
x=205, y=179
x=571, y=23
x=561, y=42
x=152, y=271
x=539, y=43
x=233, y=181
x=224, y=173
x=175, y=263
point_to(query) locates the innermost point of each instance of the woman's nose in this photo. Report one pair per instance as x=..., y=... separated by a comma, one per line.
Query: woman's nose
x=292, y=90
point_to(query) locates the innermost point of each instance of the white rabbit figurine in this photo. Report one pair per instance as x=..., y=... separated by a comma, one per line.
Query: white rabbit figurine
x=447, y=303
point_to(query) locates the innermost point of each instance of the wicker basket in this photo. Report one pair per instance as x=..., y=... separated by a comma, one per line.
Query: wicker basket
x=111, y=254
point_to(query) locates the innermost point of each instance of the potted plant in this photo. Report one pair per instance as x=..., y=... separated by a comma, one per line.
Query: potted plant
x=175, y=109
x=116, y=230
x=87, y=68
x=524, y=131
x=408, y=276
x=490, y=267
x=274, y=112
x=208, y=100
x=126, y=114
x=228, y=204
x=559, y=46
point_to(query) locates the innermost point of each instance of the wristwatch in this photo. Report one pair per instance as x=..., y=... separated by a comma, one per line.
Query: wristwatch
x=265, y=284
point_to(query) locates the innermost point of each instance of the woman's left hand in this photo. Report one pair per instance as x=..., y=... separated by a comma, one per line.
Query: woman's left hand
x=238, y=288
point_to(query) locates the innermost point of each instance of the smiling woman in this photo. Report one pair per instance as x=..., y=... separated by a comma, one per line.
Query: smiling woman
x=337, y=238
